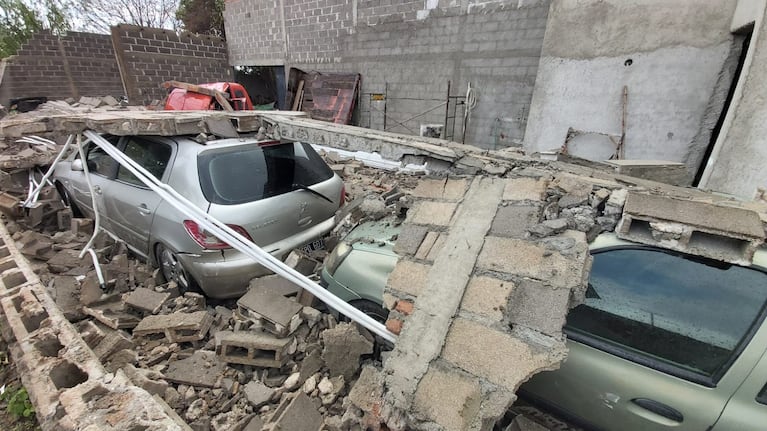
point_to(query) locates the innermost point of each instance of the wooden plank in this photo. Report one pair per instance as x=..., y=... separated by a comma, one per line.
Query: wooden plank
x=299, y=96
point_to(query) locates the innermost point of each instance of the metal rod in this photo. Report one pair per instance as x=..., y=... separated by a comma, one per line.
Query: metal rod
x=447, y=111
x=33, y=195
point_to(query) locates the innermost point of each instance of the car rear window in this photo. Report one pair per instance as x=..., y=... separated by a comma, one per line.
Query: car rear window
x=248, y=173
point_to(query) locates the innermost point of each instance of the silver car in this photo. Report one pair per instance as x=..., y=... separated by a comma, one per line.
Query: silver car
x=282, y=195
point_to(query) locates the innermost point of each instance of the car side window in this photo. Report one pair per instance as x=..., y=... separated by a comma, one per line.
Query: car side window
x=152, y=156
x=680, y=314
x=761, y=398
x=99, y=162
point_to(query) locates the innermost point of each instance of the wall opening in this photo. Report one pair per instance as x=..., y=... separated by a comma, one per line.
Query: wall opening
x=265, y=84
x=746, y=36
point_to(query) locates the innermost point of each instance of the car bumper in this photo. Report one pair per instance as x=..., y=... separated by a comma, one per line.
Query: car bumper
x=227, y=275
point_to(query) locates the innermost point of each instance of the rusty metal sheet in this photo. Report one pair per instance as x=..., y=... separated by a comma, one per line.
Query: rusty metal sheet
x=331, y=96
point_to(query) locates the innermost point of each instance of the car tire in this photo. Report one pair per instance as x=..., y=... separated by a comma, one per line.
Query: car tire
x=67, y=199
x=372, y=309
x=171, y=269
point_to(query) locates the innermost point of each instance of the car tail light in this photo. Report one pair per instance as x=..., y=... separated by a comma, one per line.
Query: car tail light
x=206, y=239
x=343, y=196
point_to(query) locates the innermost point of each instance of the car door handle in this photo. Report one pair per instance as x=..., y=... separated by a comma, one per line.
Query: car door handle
x=97, y=189
x=660, y=409
x=143, y=209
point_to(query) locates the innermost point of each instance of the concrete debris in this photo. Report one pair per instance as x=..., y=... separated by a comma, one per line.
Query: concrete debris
x=343, y=347
x=256, y=348
x=146, y=300
x=200, y=369
x=267, y=307
x=299, y=413
x=257, y=393
x=177, y=327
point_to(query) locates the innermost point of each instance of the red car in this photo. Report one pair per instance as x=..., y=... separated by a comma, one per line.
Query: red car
x=186, y=99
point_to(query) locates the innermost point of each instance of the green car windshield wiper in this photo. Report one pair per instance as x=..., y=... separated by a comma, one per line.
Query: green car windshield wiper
x=314, y=192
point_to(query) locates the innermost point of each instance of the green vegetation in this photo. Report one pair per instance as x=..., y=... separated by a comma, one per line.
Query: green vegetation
x=19, y=21
x=202, y=16
x=18, y=401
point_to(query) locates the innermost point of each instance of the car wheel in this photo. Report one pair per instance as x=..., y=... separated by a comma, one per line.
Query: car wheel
x=67, y=199
x=372, y=309
x=172, y=269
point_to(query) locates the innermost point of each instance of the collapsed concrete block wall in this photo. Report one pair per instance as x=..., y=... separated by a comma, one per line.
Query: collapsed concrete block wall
x=738, y=159
x=149, y=56
x=676, y=60
x=408, y=51
x=61, y=66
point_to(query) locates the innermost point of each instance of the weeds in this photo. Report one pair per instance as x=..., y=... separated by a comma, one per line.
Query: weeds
x=18, y=401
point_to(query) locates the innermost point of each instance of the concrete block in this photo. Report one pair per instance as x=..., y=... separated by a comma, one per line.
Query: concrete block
x=82, y=225
x=409, y=240
x=269, y=309
x=499, y=357
x=432, y=213
x=526, y=259
x=514, y=221
x=112, y=315
x=408, y=277
x=176, y=327
x=441, y=189
x=299, y=413
x=439, y=393
x=112, y=342
x=525, y=189
x=146, y=300
x=257, y=393
x=538, y=307
x=343, y=346
x=723, y=233
x=202, y=369
x=487, y=297
x=257, y=348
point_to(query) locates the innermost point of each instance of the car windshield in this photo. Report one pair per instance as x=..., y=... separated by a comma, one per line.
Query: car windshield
x=247, y=173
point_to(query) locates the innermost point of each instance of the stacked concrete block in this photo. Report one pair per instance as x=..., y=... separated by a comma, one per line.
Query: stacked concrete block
x=479, y=301
x=725, y=233
x=267, y=305
x=65, y=380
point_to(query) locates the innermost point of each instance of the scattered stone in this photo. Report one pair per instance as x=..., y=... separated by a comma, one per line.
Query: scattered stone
x=343, y=347
x=257, y=393
x=292, y=382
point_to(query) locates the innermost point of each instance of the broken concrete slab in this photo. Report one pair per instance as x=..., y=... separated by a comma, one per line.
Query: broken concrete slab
x=257, y=348
x=146, y=300
x=149, y=380
x=299, y=413
x=343, y=347
x=112, y=315
x=270, y=310
x=176, y=327
x=202, y=369
x=257, y=393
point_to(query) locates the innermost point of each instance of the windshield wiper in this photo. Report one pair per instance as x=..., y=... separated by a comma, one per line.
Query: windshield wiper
x=314, y=192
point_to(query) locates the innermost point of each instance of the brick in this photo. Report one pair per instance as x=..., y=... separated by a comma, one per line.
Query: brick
x=176, y=327
x=394, y=326
x=257, y=348
x=499, y=357
x=441, y=189
x=404, y=306
x=439, y=394
x=539, y=307
x=525, y=189
x=487, y=296
x=432, y=213
x=513, y=221
x=408, y=277
x=525, y=259
x=410, y=239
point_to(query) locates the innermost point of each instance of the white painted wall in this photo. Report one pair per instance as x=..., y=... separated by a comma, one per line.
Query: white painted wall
x=677, y=51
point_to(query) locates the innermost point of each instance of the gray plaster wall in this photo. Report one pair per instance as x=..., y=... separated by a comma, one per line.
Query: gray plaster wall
x=408, y=50
x=737, y=164
x=671, y=56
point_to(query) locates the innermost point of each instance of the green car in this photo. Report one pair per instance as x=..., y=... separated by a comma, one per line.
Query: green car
x=663, y=340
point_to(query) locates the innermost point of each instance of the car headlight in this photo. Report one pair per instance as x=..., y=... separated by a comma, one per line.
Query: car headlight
x=337, y=256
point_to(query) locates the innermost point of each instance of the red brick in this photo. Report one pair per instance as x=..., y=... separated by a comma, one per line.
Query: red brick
x=404, y=306
x=394, y=326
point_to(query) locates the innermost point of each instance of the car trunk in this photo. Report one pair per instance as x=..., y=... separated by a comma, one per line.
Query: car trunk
x=263, y=188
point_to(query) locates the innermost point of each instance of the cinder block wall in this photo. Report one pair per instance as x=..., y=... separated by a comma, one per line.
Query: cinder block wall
x=70, y=65
x=408, y=52
x=150, y=56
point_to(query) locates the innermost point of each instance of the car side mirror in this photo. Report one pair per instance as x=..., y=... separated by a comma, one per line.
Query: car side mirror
x=77, y=165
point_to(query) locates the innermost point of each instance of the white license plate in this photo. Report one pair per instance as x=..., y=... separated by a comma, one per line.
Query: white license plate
x=315, y=245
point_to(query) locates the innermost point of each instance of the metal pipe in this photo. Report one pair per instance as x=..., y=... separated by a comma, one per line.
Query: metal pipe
x=96, y=216
x=237, y=241
x=47, y=175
